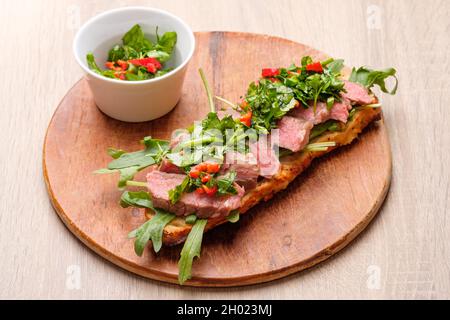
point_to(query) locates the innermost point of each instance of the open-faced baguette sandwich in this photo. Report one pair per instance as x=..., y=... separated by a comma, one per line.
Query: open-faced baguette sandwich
x=221, y=166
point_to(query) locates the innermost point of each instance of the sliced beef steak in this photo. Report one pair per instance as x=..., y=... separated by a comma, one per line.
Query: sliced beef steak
x=356, y=93
x=245, y=166
x=268, y=161
x=167, y=166
x=159, y=183
x=294, y=133
x=339, y=111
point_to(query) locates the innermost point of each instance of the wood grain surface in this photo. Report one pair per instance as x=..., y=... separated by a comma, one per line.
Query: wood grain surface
x=321, y=212
x=404, y=253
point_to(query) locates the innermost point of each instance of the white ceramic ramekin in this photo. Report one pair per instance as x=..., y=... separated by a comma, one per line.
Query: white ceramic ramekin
x=134, y=101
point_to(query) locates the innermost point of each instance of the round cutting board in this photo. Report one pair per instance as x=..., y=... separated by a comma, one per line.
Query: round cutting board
x=316, y=216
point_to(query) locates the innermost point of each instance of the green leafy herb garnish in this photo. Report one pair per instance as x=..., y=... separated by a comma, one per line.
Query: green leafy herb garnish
x=335, y=66
x=129, y=163
x=369, y=78
x=225, y=183
x=167, y=42
x=317, y=130
x=134, y=59
x=233, y=217
x=191, y=219
x=135, y=38
x=153, y=228
x=176, y=193
x=271, y=99
x=92, y=64
x=191, y=249
x=320, y=146
x=139, y=199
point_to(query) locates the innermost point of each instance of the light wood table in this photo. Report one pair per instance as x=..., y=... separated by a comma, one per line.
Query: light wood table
x=404, y=253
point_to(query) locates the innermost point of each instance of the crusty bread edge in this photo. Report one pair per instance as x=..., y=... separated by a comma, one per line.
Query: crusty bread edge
x=291, y=166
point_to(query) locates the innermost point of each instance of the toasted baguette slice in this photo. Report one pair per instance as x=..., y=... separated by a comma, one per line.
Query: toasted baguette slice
x=291, y=166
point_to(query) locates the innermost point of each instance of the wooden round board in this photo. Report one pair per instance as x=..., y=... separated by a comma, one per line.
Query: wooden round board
x=316, y=216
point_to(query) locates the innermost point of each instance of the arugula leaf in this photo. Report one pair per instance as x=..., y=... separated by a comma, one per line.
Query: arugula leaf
x=140, y=199
x=284, y=152
x=115, y=153
x=129, y=163
x=191, y=249
x=135, y=38
x=191, y=219
x=108, y=73
x=139, y=75
x=157, y=147
x=176, y=193
x=306, y=60
x=151, y=230
x=330, y=102
x=131, y=53
x=92, y=64
x=116, y=53
x=225, y=184
x=336, y=66
x=127, y=174
x=369, y=78
x=162, y=56
x=317, y=130
x=351, y=114
x=160, y=73
x=167, y=42
x=138, y=158
x=212, y=121
x=104, y=171
x=212, y=107
x=233, y=217
x=144, y=158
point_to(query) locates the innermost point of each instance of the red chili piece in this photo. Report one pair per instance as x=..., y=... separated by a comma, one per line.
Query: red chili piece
x=316, y=67
x=246, y=119
x=270, y=72
x=151, y=64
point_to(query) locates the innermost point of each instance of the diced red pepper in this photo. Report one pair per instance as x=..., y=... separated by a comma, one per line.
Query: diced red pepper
x=194, y=173
x=151, y=68
x=151, y=64
x=270, y=72
x=246, y=119
x=201, y=167
x=109, y=65
x=212, y=167
x=199, y=190
x=206, y=178
x=208, y=167
x=316, y=67
x=119, y=75
x=210, y=191
x=122, y=64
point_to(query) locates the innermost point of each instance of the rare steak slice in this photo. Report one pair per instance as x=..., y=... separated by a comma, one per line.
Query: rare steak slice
x=160, y=183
